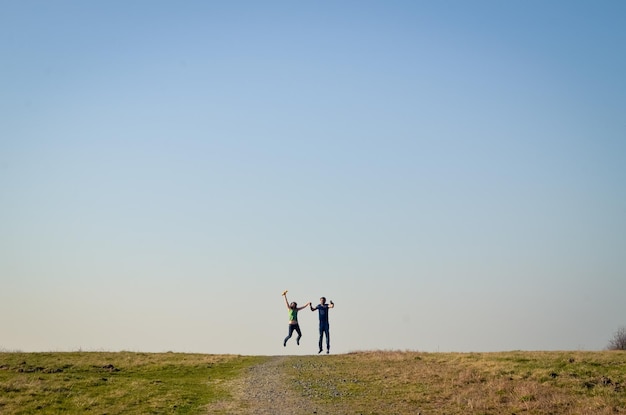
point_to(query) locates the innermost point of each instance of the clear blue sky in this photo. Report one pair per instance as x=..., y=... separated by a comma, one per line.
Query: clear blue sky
x=451, y=174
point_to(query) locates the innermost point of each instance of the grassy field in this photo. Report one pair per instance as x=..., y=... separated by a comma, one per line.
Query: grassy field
x=466, y=383
x=365, y=383
x=115, y=383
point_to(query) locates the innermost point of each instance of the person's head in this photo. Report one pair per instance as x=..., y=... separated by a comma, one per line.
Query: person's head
x=293, y=305
x=323, y=300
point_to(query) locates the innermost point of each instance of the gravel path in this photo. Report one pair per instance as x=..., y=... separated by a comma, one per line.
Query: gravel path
x=263, y=391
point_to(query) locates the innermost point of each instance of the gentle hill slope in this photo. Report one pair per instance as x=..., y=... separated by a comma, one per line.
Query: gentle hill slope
x=377, y=382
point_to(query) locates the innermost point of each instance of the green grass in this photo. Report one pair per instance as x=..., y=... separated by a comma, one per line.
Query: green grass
x=367, y=383
x=115, y=383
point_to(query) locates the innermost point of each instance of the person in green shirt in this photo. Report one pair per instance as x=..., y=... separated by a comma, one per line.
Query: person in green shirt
x=293, y=319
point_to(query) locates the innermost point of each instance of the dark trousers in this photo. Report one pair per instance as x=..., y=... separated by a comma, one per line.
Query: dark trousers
x=292, y=328
x=324, y=330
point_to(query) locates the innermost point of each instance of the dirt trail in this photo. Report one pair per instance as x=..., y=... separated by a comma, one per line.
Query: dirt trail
x=263, y=391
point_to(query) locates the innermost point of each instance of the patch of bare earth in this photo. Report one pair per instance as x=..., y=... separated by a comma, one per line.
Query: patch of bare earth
x=263, y=390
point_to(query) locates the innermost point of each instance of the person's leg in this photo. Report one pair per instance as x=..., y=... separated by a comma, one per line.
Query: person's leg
x=289, y=336
x=320, y=342
x=327, y=331
x=299, y=334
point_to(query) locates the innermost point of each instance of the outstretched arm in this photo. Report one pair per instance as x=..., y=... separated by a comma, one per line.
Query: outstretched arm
x=311, y=305
x=304, y=306
x=331, y=305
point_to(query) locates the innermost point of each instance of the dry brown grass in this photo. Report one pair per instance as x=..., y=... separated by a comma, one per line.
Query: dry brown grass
x=389, y=382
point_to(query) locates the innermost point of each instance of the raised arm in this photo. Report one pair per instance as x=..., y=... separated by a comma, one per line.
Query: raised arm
x=286, y=302
x=331, y=305
x=311, y=305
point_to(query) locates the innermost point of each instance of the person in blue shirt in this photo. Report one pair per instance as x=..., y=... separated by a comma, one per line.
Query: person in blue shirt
x=293, y=319
x=323, y=308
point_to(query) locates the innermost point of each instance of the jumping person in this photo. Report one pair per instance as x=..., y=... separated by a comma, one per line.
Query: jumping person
x=324, y=327
x=293, y=319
